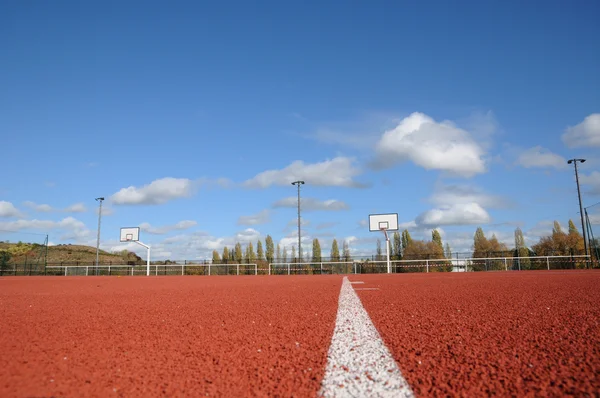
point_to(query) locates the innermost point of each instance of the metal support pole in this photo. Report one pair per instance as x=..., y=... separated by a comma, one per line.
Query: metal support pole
x=299, y=229
x=98, y=237
x=585, y=246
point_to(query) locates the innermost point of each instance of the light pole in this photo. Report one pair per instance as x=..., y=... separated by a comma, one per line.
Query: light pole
x=574, y=161
x=299, y=239
x=98, y=238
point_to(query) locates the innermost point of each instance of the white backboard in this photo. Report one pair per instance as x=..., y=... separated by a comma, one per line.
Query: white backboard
x=388, y=221
x=130, y=234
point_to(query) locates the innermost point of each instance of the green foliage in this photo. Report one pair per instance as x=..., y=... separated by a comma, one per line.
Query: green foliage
x=239, y=255
x=225, y=254
x=5, y=257
x=397, y=247
x=284, y=254
x=279, y=253
x=572, y=229
x=270, y=249
x=448, y=251
x=216, y=259
x=250, y=255
x=480, y=244
x=316, y=250
x=335, y=251
x=437, y=238
x=346, y=251
x=260, y=255
x=406, y=239
x=293, y=253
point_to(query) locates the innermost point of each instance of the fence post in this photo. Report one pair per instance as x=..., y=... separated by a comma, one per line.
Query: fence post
x=66, y=270
x=321, y=268
x=208, y=269
x=237, y=267
x=86, y=270
x=255, y=269
x=183, y=268
x=288, y=268
x=505, y=265
x=548, y=263
x=269, y=268
x=427, y=263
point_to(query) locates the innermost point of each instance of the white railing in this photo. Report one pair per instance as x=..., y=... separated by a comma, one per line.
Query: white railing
x=331, y=267
x=156, y=269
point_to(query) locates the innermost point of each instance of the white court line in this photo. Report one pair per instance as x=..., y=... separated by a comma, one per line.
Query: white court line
x=356, y=282
x=358, y=362
x=366, y=288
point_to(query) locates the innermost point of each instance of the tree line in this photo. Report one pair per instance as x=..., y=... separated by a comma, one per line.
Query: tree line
x=404, y=247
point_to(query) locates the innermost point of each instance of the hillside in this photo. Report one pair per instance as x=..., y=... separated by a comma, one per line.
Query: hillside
x=19, y=253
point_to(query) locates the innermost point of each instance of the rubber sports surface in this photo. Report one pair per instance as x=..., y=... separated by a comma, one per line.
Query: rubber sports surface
x=467, y=334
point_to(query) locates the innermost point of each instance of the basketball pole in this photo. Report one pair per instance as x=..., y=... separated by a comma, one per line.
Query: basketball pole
x=387, y=250
x=147, y=258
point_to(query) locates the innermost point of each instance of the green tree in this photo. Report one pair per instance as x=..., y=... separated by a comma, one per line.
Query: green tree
x=225, y=255
x=481, y=245
x=335, y=251
x=379, y=257
x=406, y=240
x=270, y=252
x=316, y=251
x=279, y=253
x=250, y=255
x=293, y=253
x=346, y=251
x=572, y=228
x=239, y=254
x=5, y=257
x=448, y=251
x=216, y=259
x=397, y=248
x=260, y=255
x=284, y=254
x=521, y=250
x=437, y=239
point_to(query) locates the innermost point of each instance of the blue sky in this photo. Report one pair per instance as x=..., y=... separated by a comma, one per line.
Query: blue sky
x=193, y=118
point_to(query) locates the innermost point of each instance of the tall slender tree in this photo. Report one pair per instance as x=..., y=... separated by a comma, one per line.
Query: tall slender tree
x=346, y=251
x=260, y=255
x=335, y=251
x=521, y=250
x=316, y=251
x=285, y=254
x=279, y=253
x=406, y=239
x=448, y=251
x=294, y=254
x=239, y=254
x=378, y=257
x=397, y=248
x=250, y=255
x=436, y=238
x=270, y=248
x=216, y=259
x=480, y=244
x=225, y=254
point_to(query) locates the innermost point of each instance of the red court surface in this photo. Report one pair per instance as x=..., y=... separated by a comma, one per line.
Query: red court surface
x=165, y=336
x=504, y=333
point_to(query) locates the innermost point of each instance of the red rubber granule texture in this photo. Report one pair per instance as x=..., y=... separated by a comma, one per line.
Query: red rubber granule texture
x=165, y=336
x=479, y=334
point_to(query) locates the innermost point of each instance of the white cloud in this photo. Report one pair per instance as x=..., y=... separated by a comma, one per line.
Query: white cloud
x=593, y=180
x=311, y=204
x=448, y=195
x=76, y=208
x=539, y=156
x=261, y=217
x=585, y=134
x=7, y=209
x=457, y=214
x=45, y=208
x=431, y=145
x=42, y=208
x=73, y=228
x=337, y=172
x=181, y=225
x=157, y=192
